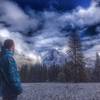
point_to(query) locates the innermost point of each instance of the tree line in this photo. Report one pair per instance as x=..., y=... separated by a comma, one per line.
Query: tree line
x=74, y=70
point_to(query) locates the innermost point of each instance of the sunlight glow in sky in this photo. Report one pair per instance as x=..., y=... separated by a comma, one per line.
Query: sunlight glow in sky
x=4, y=33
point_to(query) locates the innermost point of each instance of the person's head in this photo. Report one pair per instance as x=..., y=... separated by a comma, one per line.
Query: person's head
x=9, y=44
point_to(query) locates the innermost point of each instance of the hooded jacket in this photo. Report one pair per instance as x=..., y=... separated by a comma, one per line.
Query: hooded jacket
x=9, y=75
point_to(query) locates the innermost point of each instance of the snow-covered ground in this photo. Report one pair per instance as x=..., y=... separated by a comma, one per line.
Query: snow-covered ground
x=57, y=91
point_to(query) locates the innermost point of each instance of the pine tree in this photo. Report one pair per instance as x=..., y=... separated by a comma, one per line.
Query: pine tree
x=44, y=74
x=61, y=77
x=77, y=58
x=53, y=72
x=68, y=72
x=24, y=72
x=96, y=73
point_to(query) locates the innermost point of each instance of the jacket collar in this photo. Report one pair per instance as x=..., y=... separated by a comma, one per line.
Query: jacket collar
x=7, y=51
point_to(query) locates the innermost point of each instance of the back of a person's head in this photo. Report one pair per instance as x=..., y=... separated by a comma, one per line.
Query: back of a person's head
x=8, y=43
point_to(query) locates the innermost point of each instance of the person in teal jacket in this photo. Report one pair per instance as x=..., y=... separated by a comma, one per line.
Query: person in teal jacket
x=9, y=75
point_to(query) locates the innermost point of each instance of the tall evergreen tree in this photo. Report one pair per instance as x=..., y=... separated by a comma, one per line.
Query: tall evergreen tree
x=96, y=73
x=76, y=56
x=52, y=73
x=24, y=72
x=44, y=74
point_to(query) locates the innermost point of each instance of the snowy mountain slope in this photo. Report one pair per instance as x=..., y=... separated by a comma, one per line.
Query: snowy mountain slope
x=55, y=57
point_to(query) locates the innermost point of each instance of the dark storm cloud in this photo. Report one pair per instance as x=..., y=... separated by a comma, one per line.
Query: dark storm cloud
x=48, y=34
x=60, y=5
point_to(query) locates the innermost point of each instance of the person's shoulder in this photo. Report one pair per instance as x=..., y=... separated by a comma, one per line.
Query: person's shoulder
x=9, y=58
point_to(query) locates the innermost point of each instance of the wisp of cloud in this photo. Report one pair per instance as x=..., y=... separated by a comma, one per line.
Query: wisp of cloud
x=36, y=33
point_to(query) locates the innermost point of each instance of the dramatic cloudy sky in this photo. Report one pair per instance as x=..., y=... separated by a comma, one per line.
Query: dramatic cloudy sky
x=39, y=27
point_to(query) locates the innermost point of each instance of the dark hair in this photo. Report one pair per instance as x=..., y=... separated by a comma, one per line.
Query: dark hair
x=8, y=43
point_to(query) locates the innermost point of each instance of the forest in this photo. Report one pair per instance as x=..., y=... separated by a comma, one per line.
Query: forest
x=74, y=70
